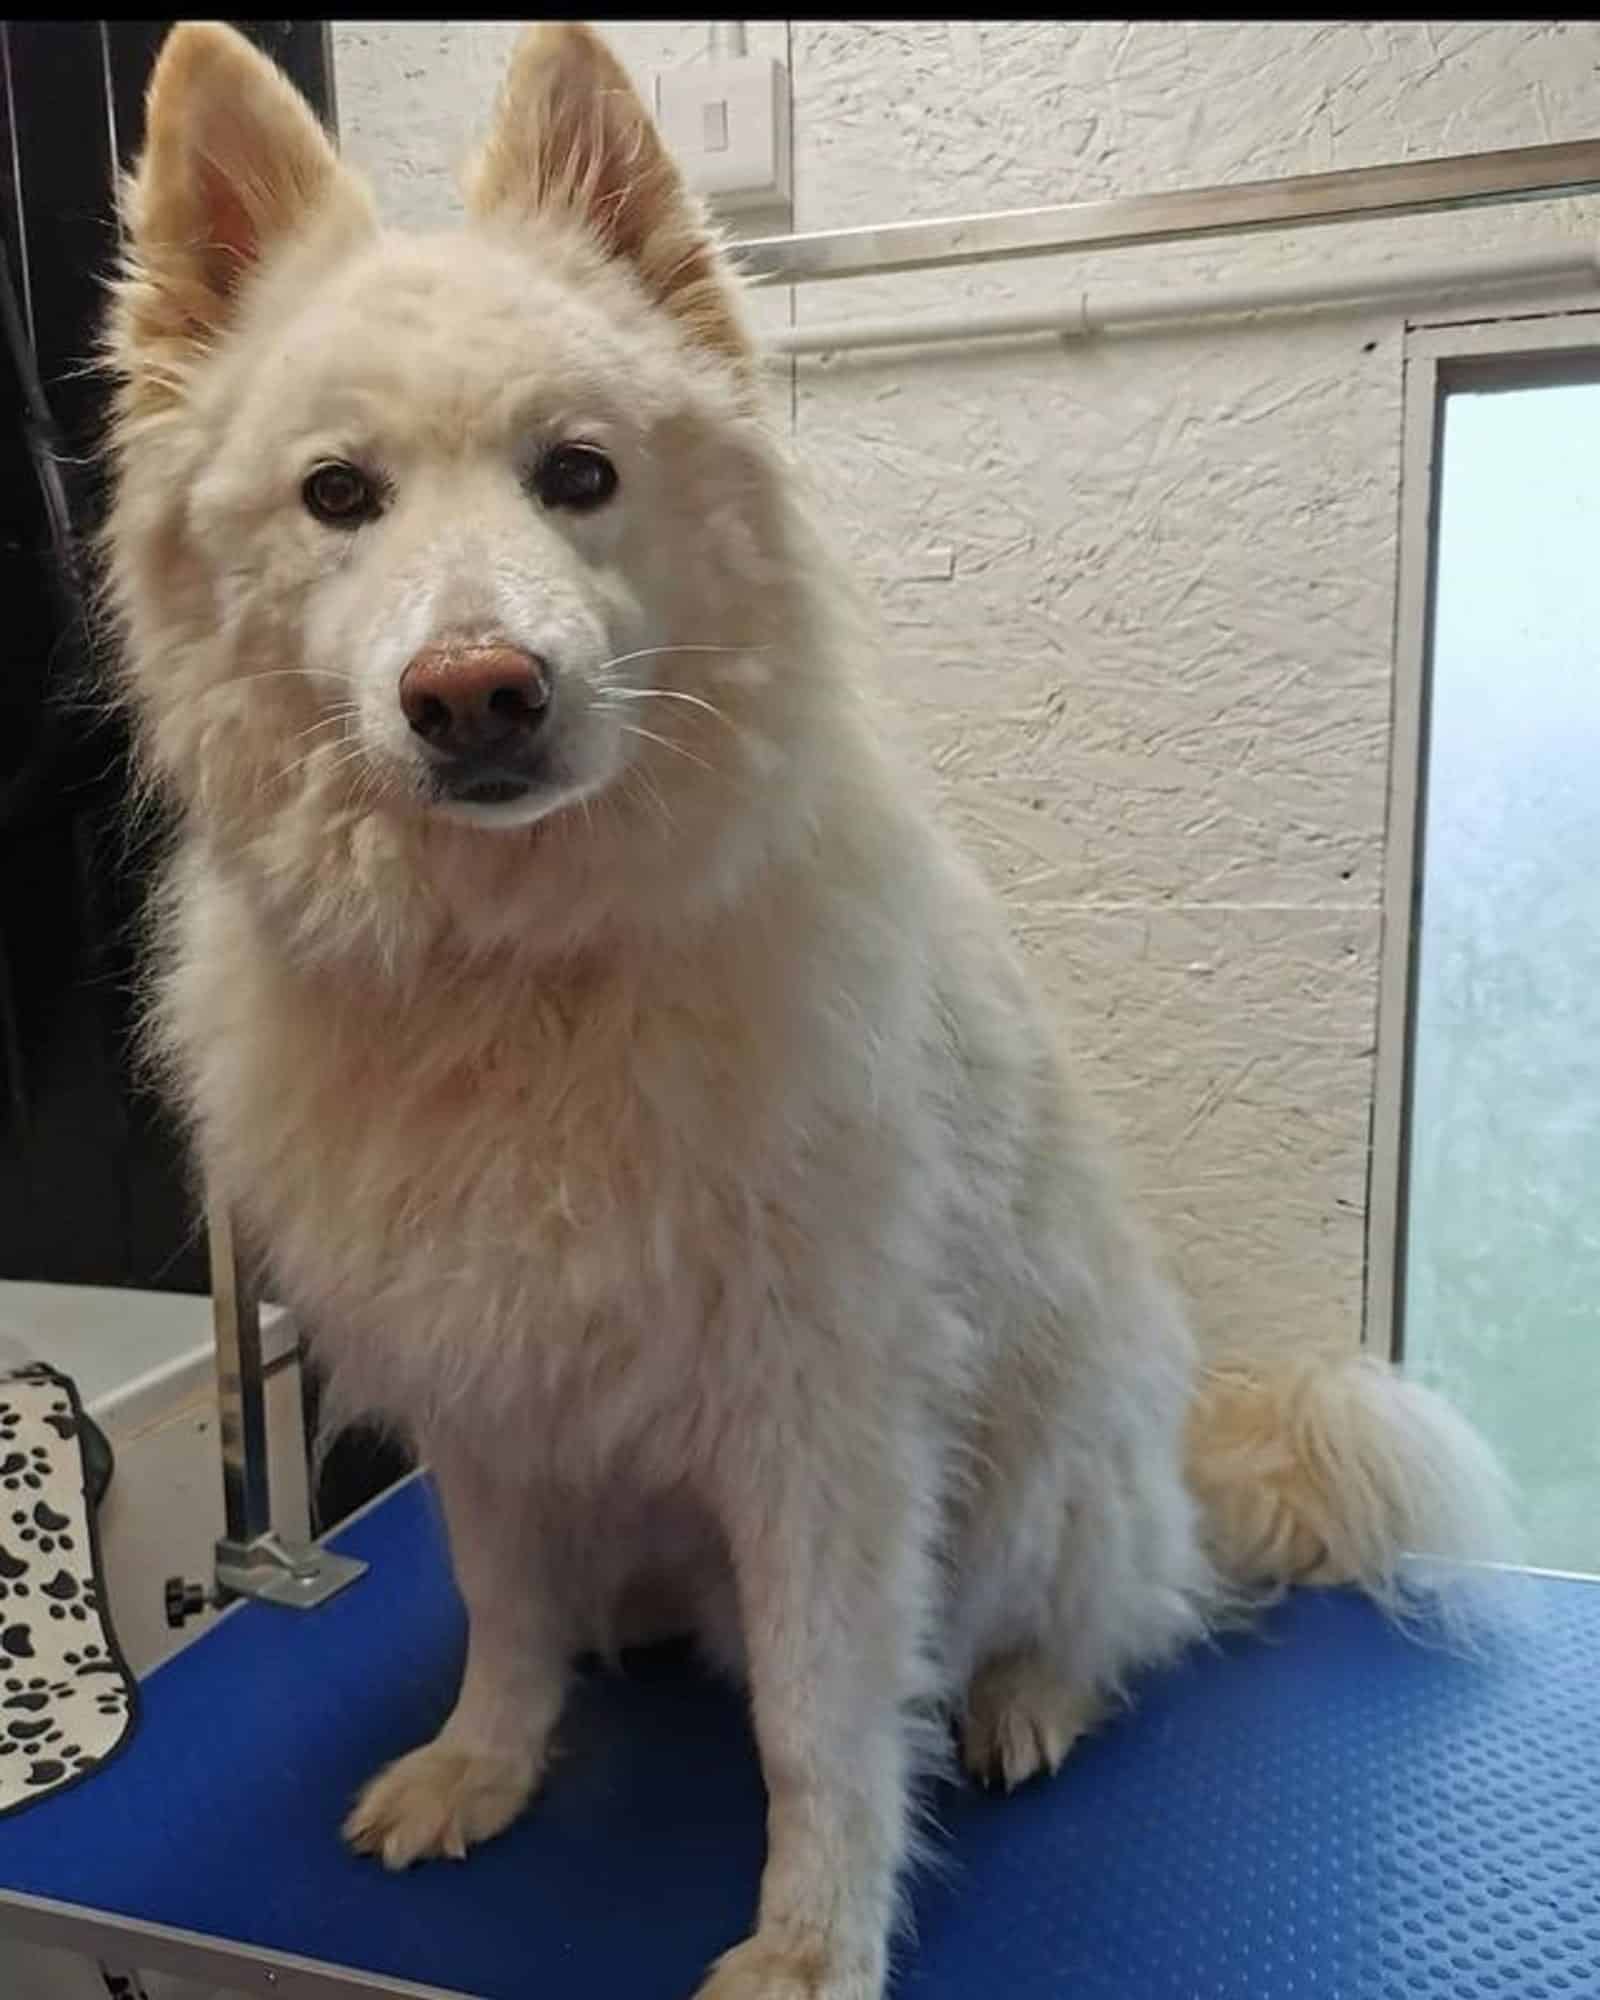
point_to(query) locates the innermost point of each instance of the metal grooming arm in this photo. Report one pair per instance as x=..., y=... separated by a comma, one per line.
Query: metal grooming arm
x=252, y=1560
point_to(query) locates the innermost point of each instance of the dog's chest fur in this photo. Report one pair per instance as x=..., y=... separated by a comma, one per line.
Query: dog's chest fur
x=569, y=1200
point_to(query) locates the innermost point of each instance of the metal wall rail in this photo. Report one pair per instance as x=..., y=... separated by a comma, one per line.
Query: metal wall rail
x=1572, y=266
x=1411, y=187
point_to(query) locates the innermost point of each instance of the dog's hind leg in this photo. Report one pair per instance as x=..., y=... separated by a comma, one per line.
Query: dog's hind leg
x=1084, y=1558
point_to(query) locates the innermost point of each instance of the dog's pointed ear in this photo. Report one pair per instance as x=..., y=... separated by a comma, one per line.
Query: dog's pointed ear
x=234, y=160
x=571, y=136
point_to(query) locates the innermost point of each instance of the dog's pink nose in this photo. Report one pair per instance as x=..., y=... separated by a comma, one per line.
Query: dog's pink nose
x=464, y=700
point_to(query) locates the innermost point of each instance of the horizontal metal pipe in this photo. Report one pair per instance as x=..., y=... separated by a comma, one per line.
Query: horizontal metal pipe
x=1410, y=187
x=1092, y=312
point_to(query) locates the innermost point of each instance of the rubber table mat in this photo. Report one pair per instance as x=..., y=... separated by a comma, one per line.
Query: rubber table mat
x=1315, y=1811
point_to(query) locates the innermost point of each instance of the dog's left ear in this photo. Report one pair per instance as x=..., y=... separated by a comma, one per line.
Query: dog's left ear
x=571, y=136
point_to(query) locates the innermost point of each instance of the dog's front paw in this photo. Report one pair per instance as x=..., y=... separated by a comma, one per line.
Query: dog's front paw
x=788, y=1968
x=438, y=1800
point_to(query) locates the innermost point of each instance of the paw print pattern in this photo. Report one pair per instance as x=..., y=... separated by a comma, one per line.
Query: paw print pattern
x=26, y=1723
x=24, y=1469
x=13, y=1569
x=89, y=1659
x=28, y=1730
x=68, y=1597
x=33, y=1695
x=65, y=1700
x=44, y=1528
x=46, y=1746
x=61, y=1420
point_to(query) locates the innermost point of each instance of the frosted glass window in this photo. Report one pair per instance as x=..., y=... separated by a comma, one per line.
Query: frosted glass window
x=1501, y=1298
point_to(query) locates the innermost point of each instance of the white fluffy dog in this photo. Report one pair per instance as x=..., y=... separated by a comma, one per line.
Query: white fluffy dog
x=612, y=1059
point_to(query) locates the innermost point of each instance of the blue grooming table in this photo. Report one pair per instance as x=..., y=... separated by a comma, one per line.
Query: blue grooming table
x=1318, y=1811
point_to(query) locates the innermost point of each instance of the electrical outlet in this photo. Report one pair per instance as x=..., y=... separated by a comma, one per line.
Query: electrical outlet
x=727, y=123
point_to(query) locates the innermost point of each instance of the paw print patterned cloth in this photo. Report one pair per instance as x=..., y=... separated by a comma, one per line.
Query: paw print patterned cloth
x=67, y=1702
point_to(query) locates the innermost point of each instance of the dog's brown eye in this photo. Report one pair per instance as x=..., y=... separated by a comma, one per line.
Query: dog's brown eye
x=576, y=476
x=341, y=495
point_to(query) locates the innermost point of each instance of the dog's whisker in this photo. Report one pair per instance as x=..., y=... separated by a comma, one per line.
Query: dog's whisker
x=668, y=694
x=666, y=742
x=316, y=750
x=297, y=674
x=356, y=756
x=293, y=770
x=338, y=720
x=652, y=796
x=654, y=652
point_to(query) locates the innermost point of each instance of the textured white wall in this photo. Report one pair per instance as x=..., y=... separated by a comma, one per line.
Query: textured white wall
x=1142, y=588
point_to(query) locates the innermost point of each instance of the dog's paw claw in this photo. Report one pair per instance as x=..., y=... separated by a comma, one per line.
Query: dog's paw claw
x=438, y=1801
x=1022, y=1719
x=785, y=1969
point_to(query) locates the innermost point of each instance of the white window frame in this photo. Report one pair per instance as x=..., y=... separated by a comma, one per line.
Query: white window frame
x=1512, y=350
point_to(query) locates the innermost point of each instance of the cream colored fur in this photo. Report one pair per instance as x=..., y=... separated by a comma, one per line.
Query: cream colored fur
x=679, y=1158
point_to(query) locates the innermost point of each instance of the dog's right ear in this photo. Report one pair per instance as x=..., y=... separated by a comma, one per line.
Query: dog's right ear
x=233, y=162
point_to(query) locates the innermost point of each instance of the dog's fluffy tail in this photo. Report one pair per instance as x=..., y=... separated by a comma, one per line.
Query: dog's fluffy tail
x=1334, y=1469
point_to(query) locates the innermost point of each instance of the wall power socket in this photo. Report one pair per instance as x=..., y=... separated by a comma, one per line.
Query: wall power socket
x=727, y=124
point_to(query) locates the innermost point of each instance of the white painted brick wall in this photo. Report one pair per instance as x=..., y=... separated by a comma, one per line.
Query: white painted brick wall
x=1141, y=588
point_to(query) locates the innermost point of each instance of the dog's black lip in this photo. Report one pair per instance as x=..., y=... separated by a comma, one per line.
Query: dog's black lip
x=490, y=790
x=487, y=781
